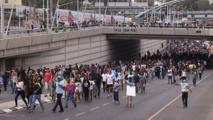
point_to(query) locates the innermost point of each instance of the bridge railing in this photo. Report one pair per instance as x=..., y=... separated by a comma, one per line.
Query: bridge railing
x=40, y=31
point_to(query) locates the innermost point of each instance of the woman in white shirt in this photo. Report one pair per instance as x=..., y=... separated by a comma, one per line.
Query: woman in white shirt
x=184, y=89
x=20, y=91
x=92, y=84
x=78, y=88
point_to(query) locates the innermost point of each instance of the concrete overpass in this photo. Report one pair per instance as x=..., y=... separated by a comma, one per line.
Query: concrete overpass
x=96, y=45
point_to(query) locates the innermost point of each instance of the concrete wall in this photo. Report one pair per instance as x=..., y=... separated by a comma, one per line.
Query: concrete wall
x=82, y=47
x=85, y=50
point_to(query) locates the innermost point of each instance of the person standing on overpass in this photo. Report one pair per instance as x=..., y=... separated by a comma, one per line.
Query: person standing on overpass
x=184, y=89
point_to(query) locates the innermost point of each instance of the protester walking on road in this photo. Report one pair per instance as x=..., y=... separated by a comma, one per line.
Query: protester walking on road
x=129, y=98
x=86, y=85
x=92, y=84
x=109, y=83
x=5, y=80
x=48, y=77
x=70, y=93
x=194, y=76
x=200, y=71
x=104, y=77
x=184, y=74
x=59, y=91
x=53, y=88
x=116, y=89
x=20, y=91
x=169, y=75
x=184, y=87
x=36, y=95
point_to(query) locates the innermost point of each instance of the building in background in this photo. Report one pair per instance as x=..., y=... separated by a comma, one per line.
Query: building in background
x=8, y=4
x=210, y=1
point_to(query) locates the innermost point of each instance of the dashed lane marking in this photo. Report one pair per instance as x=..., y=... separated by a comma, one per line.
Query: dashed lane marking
x=95, y=108
x=67, y=119
x=105, y=104
x=7, y=110
x=123, y=97
x=47, y=100
x=163, y=108
x=80, y=114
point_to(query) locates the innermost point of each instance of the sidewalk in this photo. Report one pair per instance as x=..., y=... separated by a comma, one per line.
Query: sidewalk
x=7, y=101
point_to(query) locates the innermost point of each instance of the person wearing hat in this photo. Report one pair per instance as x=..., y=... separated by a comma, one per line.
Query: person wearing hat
x=184, y=89
x=59, y=91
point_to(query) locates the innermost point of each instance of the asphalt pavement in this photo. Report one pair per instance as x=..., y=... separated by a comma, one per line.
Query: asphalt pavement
x=158, y=95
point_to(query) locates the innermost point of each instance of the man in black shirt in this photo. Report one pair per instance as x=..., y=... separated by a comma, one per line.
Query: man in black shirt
x=98, y=84
x=37, y=95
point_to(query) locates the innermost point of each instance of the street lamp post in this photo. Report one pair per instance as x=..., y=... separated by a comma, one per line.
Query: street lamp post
x=2, y=18
x=77, y=13
x=43, y=10
x=51, y=9
x=48, y=16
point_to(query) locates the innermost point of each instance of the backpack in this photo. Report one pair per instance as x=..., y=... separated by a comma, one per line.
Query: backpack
x=70, y=89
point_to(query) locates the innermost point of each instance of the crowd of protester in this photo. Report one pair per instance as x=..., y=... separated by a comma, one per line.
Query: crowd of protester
x=181, y=60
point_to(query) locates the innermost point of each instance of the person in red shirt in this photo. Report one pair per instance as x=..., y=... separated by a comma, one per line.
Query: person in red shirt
x=48, y=77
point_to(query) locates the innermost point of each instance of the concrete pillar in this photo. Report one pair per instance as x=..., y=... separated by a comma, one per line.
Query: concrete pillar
x=2, y=65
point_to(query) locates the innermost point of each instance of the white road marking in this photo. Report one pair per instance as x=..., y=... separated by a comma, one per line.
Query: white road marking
x=95, y=108
x=67, y=119
x=123, y=97
x=47, y=100
x=7, y=110
x=37, y=102
x=105, y=104
x=148, y=88
x=80, y=114
x=19, y=107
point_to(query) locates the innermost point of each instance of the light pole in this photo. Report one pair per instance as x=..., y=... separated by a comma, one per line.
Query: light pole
x=99, y=11
x=51, y=9
x=2, y=18
x=43, y=10
x=47, y=16
x=77, y=13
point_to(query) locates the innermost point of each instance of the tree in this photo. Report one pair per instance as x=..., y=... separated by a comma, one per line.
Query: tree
x=203, y=5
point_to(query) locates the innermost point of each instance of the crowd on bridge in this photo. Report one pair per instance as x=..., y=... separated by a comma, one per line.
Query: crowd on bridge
x=183, y=60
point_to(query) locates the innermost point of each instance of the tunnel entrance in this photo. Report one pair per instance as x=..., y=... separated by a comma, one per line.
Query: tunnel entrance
x=124, y=49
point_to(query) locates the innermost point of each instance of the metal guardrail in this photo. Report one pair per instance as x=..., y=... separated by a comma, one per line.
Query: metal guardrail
x=40, y=31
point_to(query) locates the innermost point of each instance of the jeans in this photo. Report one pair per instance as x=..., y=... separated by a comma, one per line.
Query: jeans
x=150, y=77
x=71, y=96
x=13, y=85
x=184, y=98
x=30, y=99
x=38, y=97
x=200, y=75
x=58, y=102
x=194, y=81
x=97, y=90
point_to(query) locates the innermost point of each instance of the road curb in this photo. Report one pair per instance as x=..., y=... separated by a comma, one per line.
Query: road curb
x=9, y=110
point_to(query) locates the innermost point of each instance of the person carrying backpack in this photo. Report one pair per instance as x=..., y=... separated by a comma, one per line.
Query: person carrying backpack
x=70, y=93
